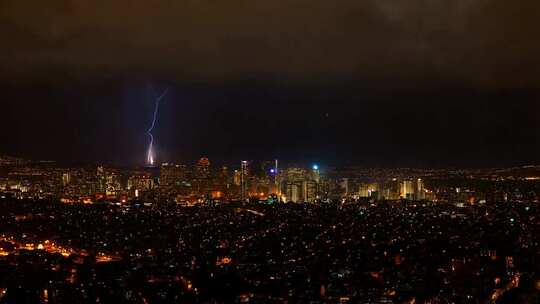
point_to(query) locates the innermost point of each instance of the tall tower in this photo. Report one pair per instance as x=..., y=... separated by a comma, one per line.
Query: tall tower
x=275, y=172
x=244, y=179
x=316, y=173
x=100, y=175
x=203, y=168
x=420, y=193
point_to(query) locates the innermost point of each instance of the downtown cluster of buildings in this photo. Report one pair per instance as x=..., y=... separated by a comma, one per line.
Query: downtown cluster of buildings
x=416, y=244
x=263, y=181
x=260, y=181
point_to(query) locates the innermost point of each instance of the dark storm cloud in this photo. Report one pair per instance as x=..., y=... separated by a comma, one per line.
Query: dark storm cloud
x=477, y=43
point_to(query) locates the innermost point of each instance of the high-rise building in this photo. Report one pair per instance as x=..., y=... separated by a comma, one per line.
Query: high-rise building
x=420, y=193
x=276, y=176
x=171, y=176
x=224, y=176
x=203, y=168
x=407, y=189
x=293, y=191
x=203, y=182
x=237, y=178
x=296, y=174
x=66, y=179
x=367, y=189
x=244, y=176
x=310, y=191
x=395, y=189
x=112, y=183
x=101, y=184
x=141, y=181
x=344, y=184
x=299, y=184
x=316, y=172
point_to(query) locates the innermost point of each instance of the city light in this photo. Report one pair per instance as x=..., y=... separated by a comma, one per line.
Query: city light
x=270, y=152
x=248, y=222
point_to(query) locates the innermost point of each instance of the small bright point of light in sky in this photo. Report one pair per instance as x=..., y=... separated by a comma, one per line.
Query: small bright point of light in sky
x=315, y=167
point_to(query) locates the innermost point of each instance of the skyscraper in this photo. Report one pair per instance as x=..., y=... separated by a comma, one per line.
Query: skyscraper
x=420, y=193
x=293, y=191
x=244, y=175
x=100, y=174
x=203, y=168
x=309, y=191
x=276, y=178
x=171, y=177
x=407, y=189
x=66, y=179
x=316, y=173
x=141, y=181
x=237, y=178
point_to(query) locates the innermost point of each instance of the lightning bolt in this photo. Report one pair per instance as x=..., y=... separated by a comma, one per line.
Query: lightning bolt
x=151, y=155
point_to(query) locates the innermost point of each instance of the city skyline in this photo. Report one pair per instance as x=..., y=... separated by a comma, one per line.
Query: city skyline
x=270, y=151
x=204, y=181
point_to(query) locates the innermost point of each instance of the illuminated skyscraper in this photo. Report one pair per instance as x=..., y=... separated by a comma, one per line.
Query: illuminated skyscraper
x=203, y=168
x=171, y=176
x=293, y=191
x=316, y=173
x=407, y=189
x=309, y=191
x=244, y=175
x=276, y=178
x=112, y=182
x=344, y=185
x=66, y=179
x=100, y=173
x=224, y=177
x=367, y=189
x=141, y=181
x=363, y=190
x=420, y=193
x=296, y=174
x=237, y=179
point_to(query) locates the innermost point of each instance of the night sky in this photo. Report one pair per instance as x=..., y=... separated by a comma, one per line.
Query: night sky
x=372, y=83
